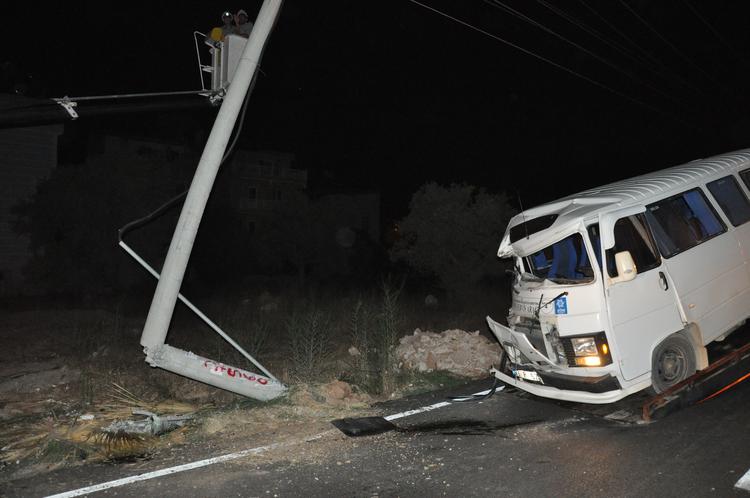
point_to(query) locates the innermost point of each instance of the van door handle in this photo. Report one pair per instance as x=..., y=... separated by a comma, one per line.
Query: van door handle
x=663, y=281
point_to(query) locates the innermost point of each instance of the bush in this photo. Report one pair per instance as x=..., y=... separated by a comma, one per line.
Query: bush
x=311, y=348
x=375, y=336
x=73, y=218
x=453, y=234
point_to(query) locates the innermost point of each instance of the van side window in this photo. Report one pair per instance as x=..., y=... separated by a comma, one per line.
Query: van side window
x=733, y=202
x=632, y=234
x=745, y=175
x=683, y=221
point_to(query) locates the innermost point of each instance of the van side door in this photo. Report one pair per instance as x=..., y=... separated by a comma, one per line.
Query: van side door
x=644, y=310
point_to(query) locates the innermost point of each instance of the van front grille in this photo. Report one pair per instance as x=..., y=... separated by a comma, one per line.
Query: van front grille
x=570, y=354
x=533, y=330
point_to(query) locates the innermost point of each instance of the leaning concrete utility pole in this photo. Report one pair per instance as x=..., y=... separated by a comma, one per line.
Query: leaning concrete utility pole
x=154, y=335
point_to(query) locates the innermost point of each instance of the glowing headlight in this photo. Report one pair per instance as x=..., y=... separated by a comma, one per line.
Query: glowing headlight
x=587, y=351
x=584, y=346
x=589, y=361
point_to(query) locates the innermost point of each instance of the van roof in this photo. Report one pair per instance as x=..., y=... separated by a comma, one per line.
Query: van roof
x=631, y=191
x=655, y=184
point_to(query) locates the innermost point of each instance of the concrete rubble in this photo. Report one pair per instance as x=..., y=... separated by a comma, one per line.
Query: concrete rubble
x=467, y=354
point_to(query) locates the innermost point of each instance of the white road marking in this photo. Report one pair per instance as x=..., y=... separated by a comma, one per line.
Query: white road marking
x=183, y=468
x=744, y=482
x=240, y=454
x=438, y=405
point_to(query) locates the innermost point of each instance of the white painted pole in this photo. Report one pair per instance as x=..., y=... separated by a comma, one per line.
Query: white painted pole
x=173, y=271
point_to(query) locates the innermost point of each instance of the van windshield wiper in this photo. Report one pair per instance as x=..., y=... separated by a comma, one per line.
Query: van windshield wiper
x=544, y=305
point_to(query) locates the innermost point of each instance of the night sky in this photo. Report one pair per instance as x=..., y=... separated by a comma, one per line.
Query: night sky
x=389, y=95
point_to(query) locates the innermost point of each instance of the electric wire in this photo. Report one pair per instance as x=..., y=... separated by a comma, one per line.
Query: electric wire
x=623, y=35
x=714, y=31
x=476, y=397
x=654, y=63
x=504, y=7
x=659, y=70
x=55, y=102
x=672, y=46
x=593, y=32
x=555, y=64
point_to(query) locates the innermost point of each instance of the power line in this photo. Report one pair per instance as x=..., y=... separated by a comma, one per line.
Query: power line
x=500, y=5
x=553, y=63
x=671, y=45
x=611, y=43
x=713, y=30
x=593, y=32
x=624, y=36
x=654, y=62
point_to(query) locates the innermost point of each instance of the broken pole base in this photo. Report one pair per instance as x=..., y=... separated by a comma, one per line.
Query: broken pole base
x=215, y=373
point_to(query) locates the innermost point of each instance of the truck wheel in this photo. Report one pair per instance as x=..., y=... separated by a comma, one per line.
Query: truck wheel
x=673, y=361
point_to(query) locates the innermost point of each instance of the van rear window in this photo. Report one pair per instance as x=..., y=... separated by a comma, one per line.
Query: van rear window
x=733, y=202
x=531, y=227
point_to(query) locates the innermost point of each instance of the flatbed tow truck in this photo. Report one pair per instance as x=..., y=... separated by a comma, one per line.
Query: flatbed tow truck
x=731, y=367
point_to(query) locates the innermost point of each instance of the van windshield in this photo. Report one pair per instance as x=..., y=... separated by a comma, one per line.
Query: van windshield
x=564, y=262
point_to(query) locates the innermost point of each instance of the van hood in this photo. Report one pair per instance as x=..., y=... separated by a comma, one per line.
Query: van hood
x=538, y=241
x=570, y=215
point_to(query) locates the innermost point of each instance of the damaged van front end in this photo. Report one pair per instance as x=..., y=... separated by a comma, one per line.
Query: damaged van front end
x=556, y=343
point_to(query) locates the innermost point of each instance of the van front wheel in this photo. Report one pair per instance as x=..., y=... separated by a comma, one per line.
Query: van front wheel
x=673, y=361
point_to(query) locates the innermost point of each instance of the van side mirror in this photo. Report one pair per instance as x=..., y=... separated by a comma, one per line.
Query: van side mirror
x=626, y=270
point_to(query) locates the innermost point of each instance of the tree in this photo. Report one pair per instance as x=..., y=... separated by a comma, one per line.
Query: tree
x=453, y=234
x=73, y=217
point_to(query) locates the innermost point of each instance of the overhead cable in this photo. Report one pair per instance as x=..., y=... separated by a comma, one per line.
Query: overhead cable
x=637, y=58
x=714, y=31
x=654, y=62
x=504, y=7
x=555, y=64
x=672, y=46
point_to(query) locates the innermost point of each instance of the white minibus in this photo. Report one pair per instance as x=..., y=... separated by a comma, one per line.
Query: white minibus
x=621, y=287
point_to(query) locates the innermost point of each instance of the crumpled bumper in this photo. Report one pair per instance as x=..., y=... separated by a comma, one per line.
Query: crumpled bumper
x=544, y=378
x=518, y=342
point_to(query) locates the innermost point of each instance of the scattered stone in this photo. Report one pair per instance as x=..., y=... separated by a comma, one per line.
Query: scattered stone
x=337, y=391
x=467, y=354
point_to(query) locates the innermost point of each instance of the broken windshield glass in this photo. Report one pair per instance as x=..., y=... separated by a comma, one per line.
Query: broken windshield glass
x=564, y=262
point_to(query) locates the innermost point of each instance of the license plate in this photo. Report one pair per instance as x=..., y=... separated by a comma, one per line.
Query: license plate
x=529, y=375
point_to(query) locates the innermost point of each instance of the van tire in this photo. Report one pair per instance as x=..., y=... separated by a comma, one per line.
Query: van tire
x=673, y=361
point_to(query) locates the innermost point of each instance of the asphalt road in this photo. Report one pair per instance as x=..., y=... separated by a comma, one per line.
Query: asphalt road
x=508, y=445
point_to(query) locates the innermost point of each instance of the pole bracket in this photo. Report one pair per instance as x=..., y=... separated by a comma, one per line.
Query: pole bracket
x=69, y=106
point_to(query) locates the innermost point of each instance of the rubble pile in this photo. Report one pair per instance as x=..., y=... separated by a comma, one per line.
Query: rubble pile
x=467, y=354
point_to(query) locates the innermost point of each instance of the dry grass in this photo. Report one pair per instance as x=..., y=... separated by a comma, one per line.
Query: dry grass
x=62, y=440
x=46, y=426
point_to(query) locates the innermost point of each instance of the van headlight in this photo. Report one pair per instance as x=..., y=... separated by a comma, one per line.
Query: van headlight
x=588, y=351
x=584, y=346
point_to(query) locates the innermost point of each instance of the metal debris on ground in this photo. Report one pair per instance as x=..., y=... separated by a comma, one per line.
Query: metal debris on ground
x=151, y=425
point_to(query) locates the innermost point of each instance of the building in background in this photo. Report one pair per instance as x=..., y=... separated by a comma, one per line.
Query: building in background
x=27, y=155
x=261, y=182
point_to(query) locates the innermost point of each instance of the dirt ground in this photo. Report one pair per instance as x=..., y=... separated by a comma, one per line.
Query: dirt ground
x=67, y=374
